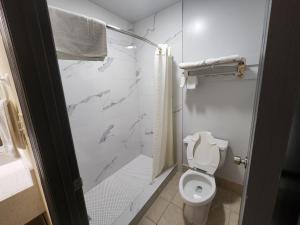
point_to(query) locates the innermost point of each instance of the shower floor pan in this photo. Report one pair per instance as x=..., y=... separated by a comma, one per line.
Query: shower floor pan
x=119, y=198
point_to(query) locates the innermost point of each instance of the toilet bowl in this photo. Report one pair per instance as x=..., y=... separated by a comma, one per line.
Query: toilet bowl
x=197, y=186
x=197, y=189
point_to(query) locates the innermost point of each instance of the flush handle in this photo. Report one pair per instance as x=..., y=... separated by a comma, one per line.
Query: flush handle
x=239, y=161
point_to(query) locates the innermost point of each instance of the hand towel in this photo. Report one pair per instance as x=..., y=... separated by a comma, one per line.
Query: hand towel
x=6, y=129
x=78, y=37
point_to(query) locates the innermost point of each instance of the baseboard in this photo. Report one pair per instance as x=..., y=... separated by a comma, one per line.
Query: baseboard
x=229, y=185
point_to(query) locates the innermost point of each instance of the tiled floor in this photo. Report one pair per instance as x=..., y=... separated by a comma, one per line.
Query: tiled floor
x=167, y=208
x=117, y=199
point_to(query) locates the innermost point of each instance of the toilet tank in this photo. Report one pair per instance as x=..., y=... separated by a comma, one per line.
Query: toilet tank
x=223, y=146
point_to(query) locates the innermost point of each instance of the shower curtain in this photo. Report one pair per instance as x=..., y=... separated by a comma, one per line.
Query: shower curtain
x=163, y=153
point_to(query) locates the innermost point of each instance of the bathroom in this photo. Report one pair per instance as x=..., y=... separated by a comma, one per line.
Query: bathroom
x=158, y=101
x=110, y=103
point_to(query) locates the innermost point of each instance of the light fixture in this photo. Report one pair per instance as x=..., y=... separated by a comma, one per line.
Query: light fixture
x=199, y=26
x=131, y=47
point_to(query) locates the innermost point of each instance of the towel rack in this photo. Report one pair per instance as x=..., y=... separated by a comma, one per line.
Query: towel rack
x=17, y=116
x=237, y=70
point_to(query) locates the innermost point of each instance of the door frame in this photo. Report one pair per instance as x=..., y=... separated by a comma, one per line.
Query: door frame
x=276, y=97
x=27, y=36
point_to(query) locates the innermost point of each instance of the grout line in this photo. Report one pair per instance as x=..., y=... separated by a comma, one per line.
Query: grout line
x=150, y=219
x=164, y=211
x=168, y=201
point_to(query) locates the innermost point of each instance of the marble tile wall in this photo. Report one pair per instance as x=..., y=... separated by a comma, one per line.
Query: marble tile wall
x=110, y=103
x=164, y=27
x=102, y=100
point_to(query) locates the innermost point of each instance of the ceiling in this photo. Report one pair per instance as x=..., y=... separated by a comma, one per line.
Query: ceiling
x=134, y=10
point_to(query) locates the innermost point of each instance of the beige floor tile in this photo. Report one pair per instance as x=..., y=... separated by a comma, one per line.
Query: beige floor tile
x=235, y=203
x=157, y=209
x=169, y=191
x=173, y=216
x=218, y=216
x=175, y=179
x=177, y=200
x=146, y=221
x=223, y=198
x=234, y=219
x=168, y=208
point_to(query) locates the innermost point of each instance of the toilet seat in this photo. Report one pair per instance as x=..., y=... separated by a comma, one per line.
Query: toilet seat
x=203, y=152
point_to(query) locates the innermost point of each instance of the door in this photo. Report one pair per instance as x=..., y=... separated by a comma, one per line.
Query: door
x=26, y=31
x=278, y=84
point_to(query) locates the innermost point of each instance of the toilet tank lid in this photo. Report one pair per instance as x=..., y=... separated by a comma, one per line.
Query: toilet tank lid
x=222, y=144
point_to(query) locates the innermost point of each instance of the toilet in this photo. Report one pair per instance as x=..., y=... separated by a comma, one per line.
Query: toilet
x=197, y=186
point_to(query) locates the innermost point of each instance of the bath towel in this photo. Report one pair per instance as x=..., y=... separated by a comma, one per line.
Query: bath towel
x=6, y=129
x=211, y=61
x=78, y=37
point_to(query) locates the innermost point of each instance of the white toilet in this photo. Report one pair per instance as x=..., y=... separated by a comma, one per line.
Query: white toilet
x=197, y=186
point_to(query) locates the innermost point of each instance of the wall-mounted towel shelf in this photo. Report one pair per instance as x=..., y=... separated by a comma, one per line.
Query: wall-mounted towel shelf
x=225, y=71
x=237, y=70
x=227, y=67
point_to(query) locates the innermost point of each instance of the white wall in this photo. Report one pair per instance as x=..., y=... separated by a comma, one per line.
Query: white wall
x=212, y=29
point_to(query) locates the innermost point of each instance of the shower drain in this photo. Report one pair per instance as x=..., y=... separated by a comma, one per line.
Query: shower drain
x=199, y=189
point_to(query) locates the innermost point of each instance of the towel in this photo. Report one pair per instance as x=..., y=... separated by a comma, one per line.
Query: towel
x=78, y=37
x=6, y=129
x=212, y=61
x=7, y=93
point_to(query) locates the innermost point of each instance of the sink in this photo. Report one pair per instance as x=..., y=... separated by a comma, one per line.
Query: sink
x=15, y=177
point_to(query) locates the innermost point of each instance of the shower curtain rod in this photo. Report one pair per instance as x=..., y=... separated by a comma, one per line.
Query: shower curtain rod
x=132, y=35
x=111, y=27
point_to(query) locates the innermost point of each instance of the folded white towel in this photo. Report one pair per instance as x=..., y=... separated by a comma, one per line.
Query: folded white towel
x=6, y=129
x=212, y=61
x=78, y=37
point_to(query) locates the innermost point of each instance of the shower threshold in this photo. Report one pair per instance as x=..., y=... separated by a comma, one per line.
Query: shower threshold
x=120, y=197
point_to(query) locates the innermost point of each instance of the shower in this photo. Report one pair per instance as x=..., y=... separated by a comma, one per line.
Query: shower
x=117, y=113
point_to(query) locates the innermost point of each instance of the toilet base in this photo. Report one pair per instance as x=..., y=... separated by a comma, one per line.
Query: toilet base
x=196, y=215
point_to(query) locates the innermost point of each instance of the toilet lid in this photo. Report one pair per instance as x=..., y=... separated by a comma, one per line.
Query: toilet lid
x=206, y=153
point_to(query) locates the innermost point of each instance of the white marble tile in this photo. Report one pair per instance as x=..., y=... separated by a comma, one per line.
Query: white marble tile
x=102, y=100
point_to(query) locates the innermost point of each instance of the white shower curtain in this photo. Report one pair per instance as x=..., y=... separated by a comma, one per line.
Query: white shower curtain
x=163, y=153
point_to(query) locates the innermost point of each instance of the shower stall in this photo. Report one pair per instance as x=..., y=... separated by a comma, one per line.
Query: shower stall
x=111, y=109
